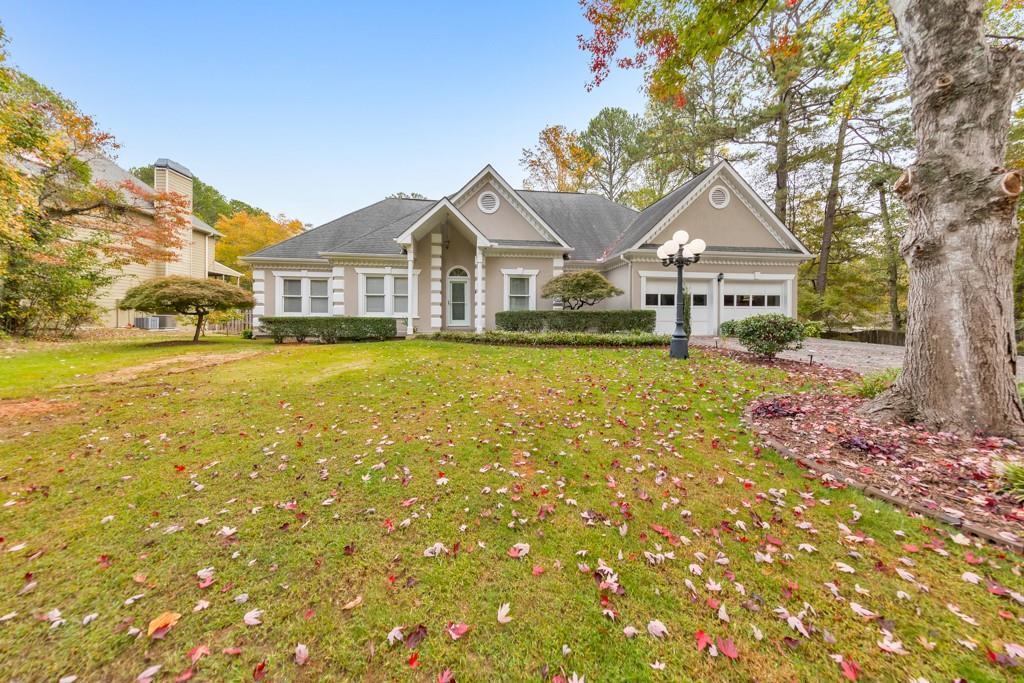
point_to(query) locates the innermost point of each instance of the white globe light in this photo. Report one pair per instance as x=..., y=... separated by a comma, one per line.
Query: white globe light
x=670, y=247
x=697, y=246
x=681, y=237
x=661, y=252
x=686, y=252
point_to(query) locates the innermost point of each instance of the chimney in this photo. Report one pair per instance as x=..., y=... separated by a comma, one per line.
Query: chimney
x=170, y=176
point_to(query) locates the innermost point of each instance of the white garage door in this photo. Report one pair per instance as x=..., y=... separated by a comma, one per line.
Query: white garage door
x=741, y=299
x=660, y=294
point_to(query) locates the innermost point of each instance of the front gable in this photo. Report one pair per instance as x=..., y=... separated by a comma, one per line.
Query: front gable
x=512, y=220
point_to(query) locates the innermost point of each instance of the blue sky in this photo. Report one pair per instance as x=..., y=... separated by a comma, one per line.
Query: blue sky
x=314, y=109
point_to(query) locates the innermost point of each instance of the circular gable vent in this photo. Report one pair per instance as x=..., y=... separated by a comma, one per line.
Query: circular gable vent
x=488, y=202
x=719, y=197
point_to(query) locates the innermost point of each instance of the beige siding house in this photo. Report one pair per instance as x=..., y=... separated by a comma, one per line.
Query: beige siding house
x=452, y=263
x=197, y=258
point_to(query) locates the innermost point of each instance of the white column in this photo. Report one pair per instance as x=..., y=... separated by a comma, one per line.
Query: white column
x=338, y=290
x=435, y=280
x=479, y=291
x=410, y=289
x=556, y=269
x=259, y=296
x=790, y=299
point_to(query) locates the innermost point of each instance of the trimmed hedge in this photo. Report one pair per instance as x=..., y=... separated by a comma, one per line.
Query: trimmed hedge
x=328, y=330
x=505, y=337
x=575, y=321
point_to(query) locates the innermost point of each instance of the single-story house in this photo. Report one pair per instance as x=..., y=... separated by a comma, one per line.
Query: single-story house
x=452, y=263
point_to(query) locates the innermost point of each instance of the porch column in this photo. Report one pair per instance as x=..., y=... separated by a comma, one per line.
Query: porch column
x=557, y=264
x=479, y=291
x=338, y=290
x=410, y=289
x=435, y=280
x=258, y=296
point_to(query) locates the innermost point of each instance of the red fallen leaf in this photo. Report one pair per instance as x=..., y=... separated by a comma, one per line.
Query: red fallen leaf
x=537, y=570
x=207, y=582
x=672, y=539
x=446, y=676
x=232, y=651
x=910, y=548
x=712, y=603
x=727, y=648
x=850, y=669
x=971, y=558
x=414, y=659
x=105, y=561
x=703, y=640
x=198, y=652
x=185, y=675
x=389, y=525
x=748, y=485
x=1006, y=615
x=180, y=468
x=309, y=613
x=456, y=630
x=777, y=542
x=259, y=671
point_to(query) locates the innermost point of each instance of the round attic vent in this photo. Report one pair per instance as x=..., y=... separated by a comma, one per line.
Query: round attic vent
x=488, y=202
x=719, y=197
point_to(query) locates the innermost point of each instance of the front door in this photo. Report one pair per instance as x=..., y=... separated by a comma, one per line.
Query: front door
x=458, y=298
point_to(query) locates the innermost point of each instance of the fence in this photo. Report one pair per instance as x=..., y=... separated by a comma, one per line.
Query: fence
x=236, y=326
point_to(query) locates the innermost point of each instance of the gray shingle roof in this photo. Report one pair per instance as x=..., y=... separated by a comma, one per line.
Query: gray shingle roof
x=587, y=222
x=370, y=230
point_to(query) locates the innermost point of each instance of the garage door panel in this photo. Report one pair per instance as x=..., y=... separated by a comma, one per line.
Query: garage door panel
x=659, y=295
x=742, y=299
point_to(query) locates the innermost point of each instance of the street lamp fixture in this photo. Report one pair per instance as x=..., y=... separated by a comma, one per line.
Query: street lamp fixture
x=680, y=252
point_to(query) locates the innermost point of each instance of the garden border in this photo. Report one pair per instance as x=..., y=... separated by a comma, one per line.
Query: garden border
x=977, y=530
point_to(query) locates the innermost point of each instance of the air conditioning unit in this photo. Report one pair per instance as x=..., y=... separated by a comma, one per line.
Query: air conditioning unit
x=148, y=322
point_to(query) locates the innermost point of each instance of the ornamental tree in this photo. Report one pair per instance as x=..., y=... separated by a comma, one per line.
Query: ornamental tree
x=579, y=288
x=180, y=295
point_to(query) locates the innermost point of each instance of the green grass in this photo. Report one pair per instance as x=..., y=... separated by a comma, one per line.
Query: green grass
x=627, y=434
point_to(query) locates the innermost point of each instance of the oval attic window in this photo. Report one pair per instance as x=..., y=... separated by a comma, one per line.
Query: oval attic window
x=488, y=202
x=719, y=197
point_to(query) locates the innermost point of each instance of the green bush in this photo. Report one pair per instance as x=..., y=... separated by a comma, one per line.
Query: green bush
x=246, y=334
x=575, y=321
x=328, y=330
x=1013, y=475
x=727, y=328
x=875, y=383
x=504, y=337
x=768, y=334
x=814, y=328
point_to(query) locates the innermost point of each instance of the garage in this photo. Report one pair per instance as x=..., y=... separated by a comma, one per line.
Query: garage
x=659, y=294
x=742, y=299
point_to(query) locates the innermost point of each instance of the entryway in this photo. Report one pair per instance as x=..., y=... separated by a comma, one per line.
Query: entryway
x=458, y=298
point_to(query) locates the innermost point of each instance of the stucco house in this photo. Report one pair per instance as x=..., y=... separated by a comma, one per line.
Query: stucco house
x=452, y=263
x=197, y=258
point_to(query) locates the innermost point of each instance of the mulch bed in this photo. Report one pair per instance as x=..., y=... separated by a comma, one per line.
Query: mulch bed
x=941, y=475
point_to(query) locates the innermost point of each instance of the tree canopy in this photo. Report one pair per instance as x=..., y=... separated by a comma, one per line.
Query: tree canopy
x=246, y=232
x=179, y=295
x=579, y=288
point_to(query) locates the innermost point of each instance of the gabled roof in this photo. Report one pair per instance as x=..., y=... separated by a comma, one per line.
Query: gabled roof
x=446, y=207
x=589, y=222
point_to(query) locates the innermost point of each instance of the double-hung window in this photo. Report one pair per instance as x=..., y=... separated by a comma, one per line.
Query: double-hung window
x=384, y=292
x=520, y=289
x=302, y=293
x=292, y=295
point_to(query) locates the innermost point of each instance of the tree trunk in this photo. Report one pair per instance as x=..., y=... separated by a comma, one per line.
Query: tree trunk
x=199, y=326
x=960, y=361
x=831, y=206
x=892, y=263
x=782, y=157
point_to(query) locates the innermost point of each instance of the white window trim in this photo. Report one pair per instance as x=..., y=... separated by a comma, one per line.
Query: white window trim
x=520, y=272
x=389, y=273
x=303, y=276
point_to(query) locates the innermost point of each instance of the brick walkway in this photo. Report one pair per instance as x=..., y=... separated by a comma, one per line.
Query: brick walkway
x=857, y=356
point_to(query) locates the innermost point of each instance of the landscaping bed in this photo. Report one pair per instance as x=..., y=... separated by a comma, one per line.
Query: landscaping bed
x=503, y=337
x=953, y=479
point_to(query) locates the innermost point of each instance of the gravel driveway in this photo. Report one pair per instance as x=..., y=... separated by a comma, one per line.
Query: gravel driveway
x=857, y=356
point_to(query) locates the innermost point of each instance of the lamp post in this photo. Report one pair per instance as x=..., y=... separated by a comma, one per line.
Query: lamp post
x=680, y=253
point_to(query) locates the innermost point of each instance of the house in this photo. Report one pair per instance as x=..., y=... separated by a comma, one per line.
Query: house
x=197, y=258
x=454, y=262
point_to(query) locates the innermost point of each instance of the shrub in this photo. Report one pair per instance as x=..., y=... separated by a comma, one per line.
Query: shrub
x=814, y=328
x=246, y=334
x=575, y=321
x=768, y=334
x=190, y=296
x=1013, y=475
x=503, y=337
x=328, y=330
x=727, y=328
x=875, y=383
x=579, y=288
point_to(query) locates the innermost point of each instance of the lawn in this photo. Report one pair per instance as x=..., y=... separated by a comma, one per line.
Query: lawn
x=315, y=481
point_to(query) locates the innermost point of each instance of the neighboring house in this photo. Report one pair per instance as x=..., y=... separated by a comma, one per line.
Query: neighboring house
x=455, y=262
x=195, y=259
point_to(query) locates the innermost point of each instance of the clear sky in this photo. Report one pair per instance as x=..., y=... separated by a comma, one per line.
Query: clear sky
x=314, y=109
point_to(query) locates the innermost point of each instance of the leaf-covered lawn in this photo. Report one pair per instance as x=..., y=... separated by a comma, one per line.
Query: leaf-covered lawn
x=436, y=511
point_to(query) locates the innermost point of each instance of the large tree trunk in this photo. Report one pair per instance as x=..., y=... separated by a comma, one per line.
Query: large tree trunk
x=831, y=206
x=960, y=360
x=782, y=157
x=892, y=263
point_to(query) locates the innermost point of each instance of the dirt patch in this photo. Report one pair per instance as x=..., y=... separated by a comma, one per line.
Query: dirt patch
x=172, y=365
x=33, y=407
x=944, y=476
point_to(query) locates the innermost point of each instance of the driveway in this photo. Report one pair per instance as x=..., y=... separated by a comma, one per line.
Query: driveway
x=857, y=356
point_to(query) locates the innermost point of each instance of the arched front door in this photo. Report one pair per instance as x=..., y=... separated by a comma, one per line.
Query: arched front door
x=458, y=297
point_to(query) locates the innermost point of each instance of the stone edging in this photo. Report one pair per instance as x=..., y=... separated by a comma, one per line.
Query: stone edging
x=964, y=525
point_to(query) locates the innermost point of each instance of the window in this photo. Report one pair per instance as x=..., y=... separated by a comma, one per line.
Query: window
x=400, y=294
x=730, y=300
x=774, y=300
x=757, y=300
x=319, y=299
x=651, y=299
x=292, y=296
x=742, y=299
x=668, y=300
x=375, y=297
x=518, y=293
x=386, y=292
x=700, y=299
